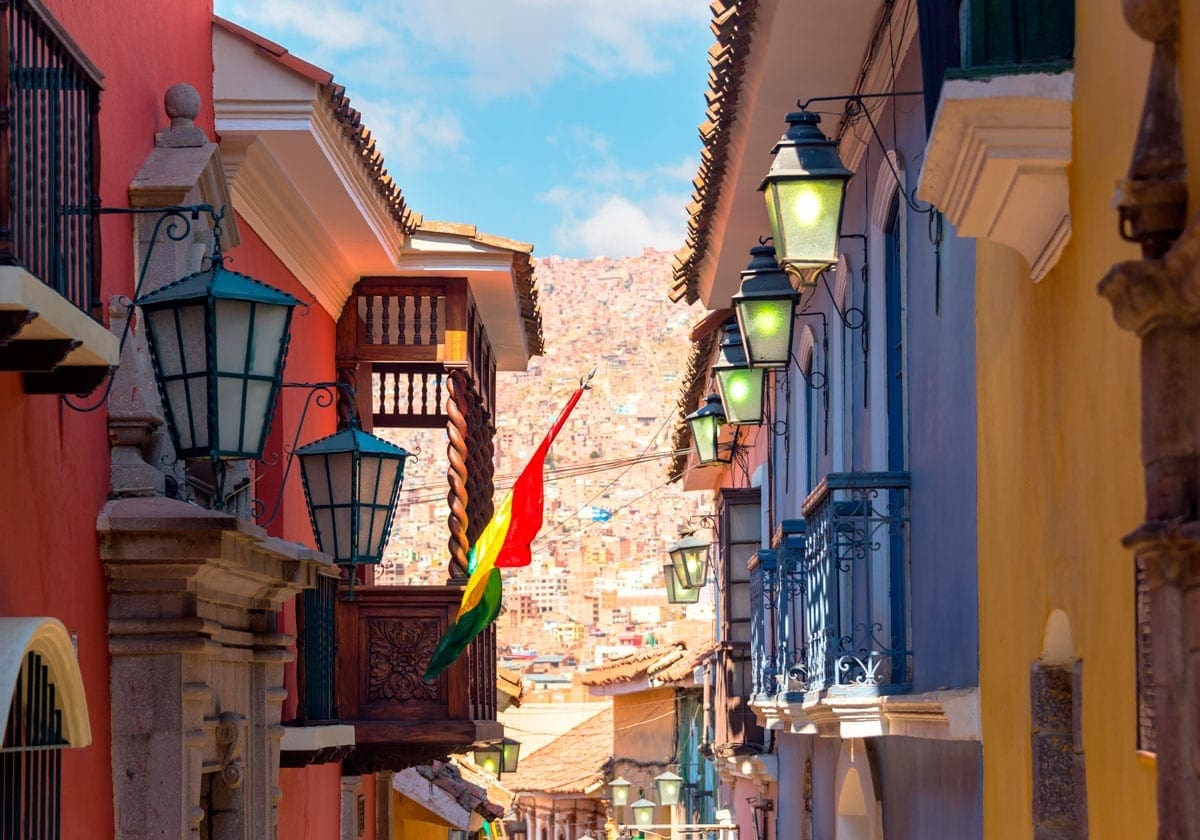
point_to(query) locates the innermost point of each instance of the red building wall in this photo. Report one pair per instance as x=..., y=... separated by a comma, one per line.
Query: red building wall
x=55, y=474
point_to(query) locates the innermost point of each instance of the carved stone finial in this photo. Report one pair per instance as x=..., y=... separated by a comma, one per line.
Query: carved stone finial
x=182, y=104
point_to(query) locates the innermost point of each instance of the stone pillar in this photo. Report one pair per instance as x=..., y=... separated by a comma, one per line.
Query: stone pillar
x=348, y=828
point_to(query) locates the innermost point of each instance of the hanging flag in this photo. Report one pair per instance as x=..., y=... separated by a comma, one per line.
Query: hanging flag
x=503, y=543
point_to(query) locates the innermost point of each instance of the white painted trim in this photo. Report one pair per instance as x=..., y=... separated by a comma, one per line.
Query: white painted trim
x=425, y=793
x=996, y=163
x=314, y=738
x=57, y=318
x=49, y=638
x=854, y=768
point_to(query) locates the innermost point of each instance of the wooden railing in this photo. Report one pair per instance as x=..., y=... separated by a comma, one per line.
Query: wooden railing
x=386, y=635
x=413, y=332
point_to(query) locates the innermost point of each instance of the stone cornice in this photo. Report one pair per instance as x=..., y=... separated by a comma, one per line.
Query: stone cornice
x=996, y=162
x=950, y=715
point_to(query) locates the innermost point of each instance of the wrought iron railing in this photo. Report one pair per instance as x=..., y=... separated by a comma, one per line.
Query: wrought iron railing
x=317, y=645
x=763, y=623
x=31, y=757
x=49, y=154
x=791, y=641
x=855, y=571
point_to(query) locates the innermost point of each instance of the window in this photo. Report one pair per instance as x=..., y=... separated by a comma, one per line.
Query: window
x=894, y=292
x=961, y=36
x=49, y=171
x=31, y=757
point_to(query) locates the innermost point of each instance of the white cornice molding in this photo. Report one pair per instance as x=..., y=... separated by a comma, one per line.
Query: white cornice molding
x=266, y=198
x=997, y=159
x=950, y=715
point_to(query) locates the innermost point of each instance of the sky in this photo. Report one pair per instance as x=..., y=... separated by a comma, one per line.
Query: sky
x=570, y=124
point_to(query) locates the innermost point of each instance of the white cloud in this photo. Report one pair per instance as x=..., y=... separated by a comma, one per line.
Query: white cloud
x=615, y=225
x=510, y=47
x=409, y=132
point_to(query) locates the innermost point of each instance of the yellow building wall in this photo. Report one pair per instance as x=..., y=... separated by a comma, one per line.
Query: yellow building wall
x=1060, y=476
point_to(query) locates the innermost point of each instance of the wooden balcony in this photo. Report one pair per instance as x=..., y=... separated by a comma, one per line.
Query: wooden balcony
x=386, y=635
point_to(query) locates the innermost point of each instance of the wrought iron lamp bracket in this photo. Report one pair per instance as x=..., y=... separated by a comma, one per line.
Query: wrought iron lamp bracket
x=178, y=220
x=323, y=395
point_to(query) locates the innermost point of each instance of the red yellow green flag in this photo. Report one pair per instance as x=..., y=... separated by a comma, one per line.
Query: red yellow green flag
x=504, y=543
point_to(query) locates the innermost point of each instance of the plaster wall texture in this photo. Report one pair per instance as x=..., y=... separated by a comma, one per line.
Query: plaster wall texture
x=1060, y=479
x=930, y=788
x=310, y=806
x=56, y=470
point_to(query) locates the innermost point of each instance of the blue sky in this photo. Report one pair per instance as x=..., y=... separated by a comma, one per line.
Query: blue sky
x=567, y=123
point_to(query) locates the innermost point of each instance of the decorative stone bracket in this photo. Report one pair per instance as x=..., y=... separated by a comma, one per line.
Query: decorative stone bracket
x=996, y=163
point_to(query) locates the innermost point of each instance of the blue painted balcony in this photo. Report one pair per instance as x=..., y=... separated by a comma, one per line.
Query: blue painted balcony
x=855, y=602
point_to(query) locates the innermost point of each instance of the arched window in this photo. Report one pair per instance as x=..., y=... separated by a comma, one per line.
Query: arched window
x=43, y=709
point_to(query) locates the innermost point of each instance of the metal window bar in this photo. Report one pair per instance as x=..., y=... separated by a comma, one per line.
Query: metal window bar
x=763, y=623
x=318, y=652
x=791, y=643
x=49, y=154
x=31, y=758
x=855, y=577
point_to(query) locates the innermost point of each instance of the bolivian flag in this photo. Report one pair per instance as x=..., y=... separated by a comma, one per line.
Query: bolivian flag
x=504, y=543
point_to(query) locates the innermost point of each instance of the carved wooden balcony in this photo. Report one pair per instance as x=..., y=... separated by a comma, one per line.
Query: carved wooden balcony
x=386, y=635
x=413, y=333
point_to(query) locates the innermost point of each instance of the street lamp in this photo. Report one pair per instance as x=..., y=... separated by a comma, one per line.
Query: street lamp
x=805, y=191
x=689, y=558
x=620, y=791
x=643, y=811
x=510, y=754
x=766, y=310
x=740, y=386
x=676, y=593
x=351, y=481
x=705, y=424
x=217, y=342
x=489, y=758
x=668, y=786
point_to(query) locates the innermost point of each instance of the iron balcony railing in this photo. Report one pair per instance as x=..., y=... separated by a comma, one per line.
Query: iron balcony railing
x=317, y=653
x=49, y=154
x=763, y=629
x=854, y=586
x=777, y=593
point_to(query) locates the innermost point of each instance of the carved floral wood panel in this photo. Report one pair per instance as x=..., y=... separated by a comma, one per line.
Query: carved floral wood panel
x=397, y=652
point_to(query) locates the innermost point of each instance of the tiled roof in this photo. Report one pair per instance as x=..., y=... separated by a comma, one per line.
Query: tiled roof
x=575, y=762
x=705, y=336
x=510, y=684
x=732, y=24
x=470, y=788
x=664, y=664
x=527, y=293
x=356, y=135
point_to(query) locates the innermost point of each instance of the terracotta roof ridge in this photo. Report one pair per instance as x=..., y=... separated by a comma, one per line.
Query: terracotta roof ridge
x=472, y=232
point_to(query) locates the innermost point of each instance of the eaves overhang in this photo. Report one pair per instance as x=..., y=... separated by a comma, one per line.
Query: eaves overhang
x=789, y=51
x=304, y=172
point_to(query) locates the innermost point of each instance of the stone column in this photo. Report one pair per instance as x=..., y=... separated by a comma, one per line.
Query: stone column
x=348, y=829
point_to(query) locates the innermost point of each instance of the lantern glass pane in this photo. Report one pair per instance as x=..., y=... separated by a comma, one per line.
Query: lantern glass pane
x=805, y=218
x=620, y=791
x=329, y=480
x=489, y=759
x=643, y=812
x=690, y=568
x=766, y=327
x=178, y=337
x=677, y=594
x=741, y=392
x=510, y=755
x=249, y=341
x=377, y=480
x=704, y=436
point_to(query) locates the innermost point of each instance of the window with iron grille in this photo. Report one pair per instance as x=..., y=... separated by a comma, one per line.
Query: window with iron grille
x=317, y=649
x=31, y=758
x=49, y=155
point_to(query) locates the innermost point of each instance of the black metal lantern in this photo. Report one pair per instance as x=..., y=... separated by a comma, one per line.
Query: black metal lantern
x=766, y=310
x=689, y=559
x=668, y=786
x=740, y=386
x=705, y=424
x=489, y=758
x=805, y=190
x=677, y=594
x=217, y=341
x=620, y=791
x=351, y=481
x=510, y=754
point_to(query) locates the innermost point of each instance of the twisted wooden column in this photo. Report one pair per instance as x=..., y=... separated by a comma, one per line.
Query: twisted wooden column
x=458, y=387
x=347, y=375
x=476, y=489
